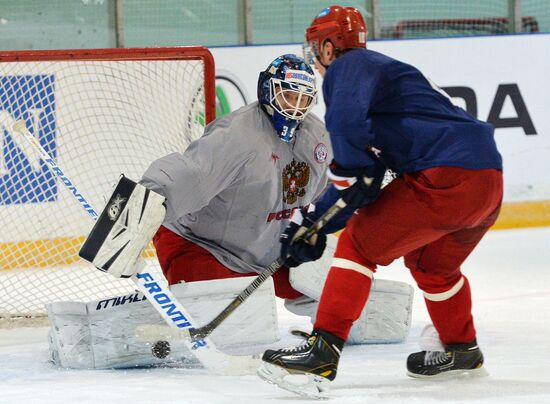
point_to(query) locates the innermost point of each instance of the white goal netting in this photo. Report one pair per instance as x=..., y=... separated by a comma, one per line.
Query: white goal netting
x=98, y=113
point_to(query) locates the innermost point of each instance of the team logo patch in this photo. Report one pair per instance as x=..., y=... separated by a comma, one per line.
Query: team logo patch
x=320, y=153
x=115, y=208
x=295, y=179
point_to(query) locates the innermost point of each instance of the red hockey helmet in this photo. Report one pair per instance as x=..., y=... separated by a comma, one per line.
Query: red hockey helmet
x=343, y=26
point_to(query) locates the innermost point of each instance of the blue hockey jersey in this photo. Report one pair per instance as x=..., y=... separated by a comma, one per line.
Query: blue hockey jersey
x=376, y=103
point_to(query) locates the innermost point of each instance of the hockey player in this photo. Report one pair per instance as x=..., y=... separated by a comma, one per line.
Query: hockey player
x=229, y=196
x=383, y=113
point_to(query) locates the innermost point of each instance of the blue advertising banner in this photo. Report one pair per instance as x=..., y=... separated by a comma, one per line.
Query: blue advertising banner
x=24, y=177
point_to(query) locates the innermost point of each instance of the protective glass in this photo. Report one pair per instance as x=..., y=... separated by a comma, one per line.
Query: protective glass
x=309, y=54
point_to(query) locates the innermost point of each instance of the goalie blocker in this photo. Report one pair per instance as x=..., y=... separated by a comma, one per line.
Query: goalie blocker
x=127, y=224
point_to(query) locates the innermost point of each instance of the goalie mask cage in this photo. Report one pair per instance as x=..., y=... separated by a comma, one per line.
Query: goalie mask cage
x=98, y=113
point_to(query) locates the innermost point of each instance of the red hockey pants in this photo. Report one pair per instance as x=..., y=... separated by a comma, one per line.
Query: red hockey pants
x=183, y=260
x=434, y=219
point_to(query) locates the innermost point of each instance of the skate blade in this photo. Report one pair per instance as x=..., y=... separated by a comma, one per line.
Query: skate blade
x=452, y=374
x=242, y=365
x=315, y=387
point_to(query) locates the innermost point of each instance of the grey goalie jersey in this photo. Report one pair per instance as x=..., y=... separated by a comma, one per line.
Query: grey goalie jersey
x=234, y=189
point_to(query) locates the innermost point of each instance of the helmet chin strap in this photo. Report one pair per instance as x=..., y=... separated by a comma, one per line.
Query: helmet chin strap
x=336, y=54
x=322, y=64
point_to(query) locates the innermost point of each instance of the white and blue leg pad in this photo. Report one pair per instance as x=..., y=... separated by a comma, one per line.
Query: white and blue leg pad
x=126, y=331
x=386, y=317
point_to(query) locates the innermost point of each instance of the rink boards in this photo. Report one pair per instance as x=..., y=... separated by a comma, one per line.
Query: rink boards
x=501, y=79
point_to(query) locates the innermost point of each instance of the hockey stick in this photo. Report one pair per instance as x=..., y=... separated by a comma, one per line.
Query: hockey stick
x=155, y=332
x=175, y=315
x=206, y=330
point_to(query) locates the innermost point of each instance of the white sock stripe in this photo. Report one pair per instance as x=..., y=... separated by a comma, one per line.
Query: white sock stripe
x=340, y=182
x=332, y=176
x=354, y=266
x=439, y=297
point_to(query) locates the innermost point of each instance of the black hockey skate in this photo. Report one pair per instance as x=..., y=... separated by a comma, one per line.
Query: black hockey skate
x=317, y=359
x=458, y=359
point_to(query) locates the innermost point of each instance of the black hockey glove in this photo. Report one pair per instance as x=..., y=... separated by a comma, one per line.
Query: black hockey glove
x=297, y=250
x=355, y=186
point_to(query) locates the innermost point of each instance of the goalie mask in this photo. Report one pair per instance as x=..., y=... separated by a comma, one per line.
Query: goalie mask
x=287, y=92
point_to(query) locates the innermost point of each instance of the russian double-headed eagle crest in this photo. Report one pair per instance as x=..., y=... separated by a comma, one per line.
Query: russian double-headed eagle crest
x=295, y=179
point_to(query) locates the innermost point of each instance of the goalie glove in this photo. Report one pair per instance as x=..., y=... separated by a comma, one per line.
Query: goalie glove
x=354, y=185
x=296, y=250
x=128, y=222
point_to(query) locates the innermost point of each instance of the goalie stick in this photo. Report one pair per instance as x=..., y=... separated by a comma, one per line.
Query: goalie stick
x=155, y=332
x=196, y=335
x=206, y=330
x=152, y=332
x=175, y=315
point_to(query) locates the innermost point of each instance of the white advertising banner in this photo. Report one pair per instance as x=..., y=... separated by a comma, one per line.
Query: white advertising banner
x=500, y=79
x=503, y=80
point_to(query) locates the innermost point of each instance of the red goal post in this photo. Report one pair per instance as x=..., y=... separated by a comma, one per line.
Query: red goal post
x=99, y=113
x=200, y=53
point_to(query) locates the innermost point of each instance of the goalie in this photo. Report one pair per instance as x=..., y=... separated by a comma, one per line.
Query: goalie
x=223, y=205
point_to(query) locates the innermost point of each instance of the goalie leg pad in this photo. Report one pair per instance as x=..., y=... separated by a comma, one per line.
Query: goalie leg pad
x=100, y=335
x=110, y=333
x=252, y=325
x=124, y=228
x=386, y=317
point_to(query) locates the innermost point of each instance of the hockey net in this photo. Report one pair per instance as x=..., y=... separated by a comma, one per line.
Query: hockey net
x=99, y=113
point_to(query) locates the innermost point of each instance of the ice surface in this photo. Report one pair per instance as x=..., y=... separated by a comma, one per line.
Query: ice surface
x=510, y=278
